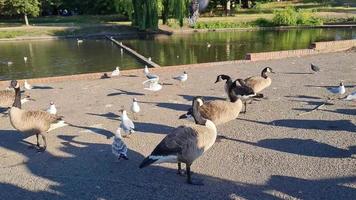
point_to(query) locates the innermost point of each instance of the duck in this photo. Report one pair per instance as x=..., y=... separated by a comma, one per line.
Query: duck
x=219, y=111
x=182, y=78
x=116, y=72
x=7, y=98
x=135, y=108
x=32, y=122
x=52, y=108
x=126, y=123
x=27, y=85
x=185, y=143
x=118, y=147
x=259, y=83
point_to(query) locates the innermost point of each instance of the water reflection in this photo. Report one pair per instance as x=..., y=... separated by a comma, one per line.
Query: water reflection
x=192, y=48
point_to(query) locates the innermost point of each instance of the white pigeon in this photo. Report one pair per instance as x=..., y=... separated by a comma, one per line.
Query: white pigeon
x=152, y=86
x=119, y=148
x=135, y=108
x=146, y=71
x=126, y=123
x=338, y=90
x=116, y=72
x=25, y=59
x=351, y=97
x=182, y=78
x=52, y=108
x=27, y=85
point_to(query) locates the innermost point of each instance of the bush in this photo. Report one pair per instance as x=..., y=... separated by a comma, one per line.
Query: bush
x=292, y=17
x=285, y=17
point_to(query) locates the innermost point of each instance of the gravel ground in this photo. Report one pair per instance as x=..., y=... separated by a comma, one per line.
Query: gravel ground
x=268, y=153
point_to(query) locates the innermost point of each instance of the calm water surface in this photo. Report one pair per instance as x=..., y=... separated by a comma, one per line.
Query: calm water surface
x=63, y=57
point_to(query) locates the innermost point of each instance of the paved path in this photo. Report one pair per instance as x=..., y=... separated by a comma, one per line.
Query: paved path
x=271, y=153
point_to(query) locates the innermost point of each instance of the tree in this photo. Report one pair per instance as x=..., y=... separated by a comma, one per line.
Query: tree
x=22, y=7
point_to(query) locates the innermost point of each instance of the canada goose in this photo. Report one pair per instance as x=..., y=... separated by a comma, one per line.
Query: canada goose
x=220, y=111
x=27, y=85
x=118, y=147
x=258, y=83
x=314, y=67
x=52, y=108
x=182, y=78
x=126, y=123
x=116, y=72
x=338, y=90
x=32, y=122
x=7, y=98
x=245, y=92
x=228, y=82
x=185, y=143
x=135, y=108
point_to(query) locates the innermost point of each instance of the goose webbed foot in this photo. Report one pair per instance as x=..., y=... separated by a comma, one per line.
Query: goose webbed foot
x=189, y=178
x=41, y=149
x=180, y=172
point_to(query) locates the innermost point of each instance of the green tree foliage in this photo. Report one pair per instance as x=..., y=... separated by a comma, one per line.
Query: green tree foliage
x=145, y=15
x=20, y=7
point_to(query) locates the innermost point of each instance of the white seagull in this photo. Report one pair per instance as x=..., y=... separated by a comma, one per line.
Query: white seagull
x=338, y=90
x=208, y=45
x=52, y=108
x=135, y=108
x=126, y=123
x=27, y=85
x=351, y=97
x=152, y=85
x=146, y=71
x=116, y=72
x=79, y=41
x=25, y=59
x=119, y=148
x=182, y=78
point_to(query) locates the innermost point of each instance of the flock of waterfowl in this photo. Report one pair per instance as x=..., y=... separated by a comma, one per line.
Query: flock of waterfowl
x=184, y=144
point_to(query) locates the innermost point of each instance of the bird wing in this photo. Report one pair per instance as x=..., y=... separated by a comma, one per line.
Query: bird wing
x=333, y=90
x=128, y=124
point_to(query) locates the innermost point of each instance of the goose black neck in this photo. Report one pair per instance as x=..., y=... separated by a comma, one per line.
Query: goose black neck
x=264, y=73
x=196, y=114
x=232, y=95
x=17, y=101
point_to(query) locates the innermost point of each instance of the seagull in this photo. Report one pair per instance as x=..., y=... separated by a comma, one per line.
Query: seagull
x=338, y=90
x=116, y=72
x=118, y=147
x=182, y=78
x=351, y=97
x=25, y=59
x=314, y=67
x=153, y=85
x=27, y=85
x=79, y=41
x=149, y=59
x=52, y=108
x=146, y=71
x=135, y=108
x=208, y=45
x=121, y=51
x=126, y=124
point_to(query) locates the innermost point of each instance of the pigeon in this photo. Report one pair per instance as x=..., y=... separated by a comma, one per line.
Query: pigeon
x=116, y=72
x=119, y=148
x=27, y=85
x=182, y=78
x=126, y=124
x=314, y=67
x=52, y=108
x=338, y=90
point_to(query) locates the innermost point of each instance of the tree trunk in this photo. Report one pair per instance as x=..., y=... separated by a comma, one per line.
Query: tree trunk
x=26, y=20
x=165, y=11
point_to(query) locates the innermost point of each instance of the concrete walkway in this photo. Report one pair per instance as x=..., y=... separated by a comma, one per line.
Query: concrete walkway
x=270, y=153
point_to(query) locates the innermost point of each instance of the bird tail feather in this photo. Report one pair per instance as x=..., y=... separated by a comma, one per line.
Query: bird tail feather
x=146, y=162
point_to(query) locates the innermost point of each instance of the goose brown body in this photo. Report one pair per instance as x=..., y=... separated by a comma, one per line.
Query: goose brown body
x=220, y=112
x=259, y=83
x=7, y=98
x=32, y=122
